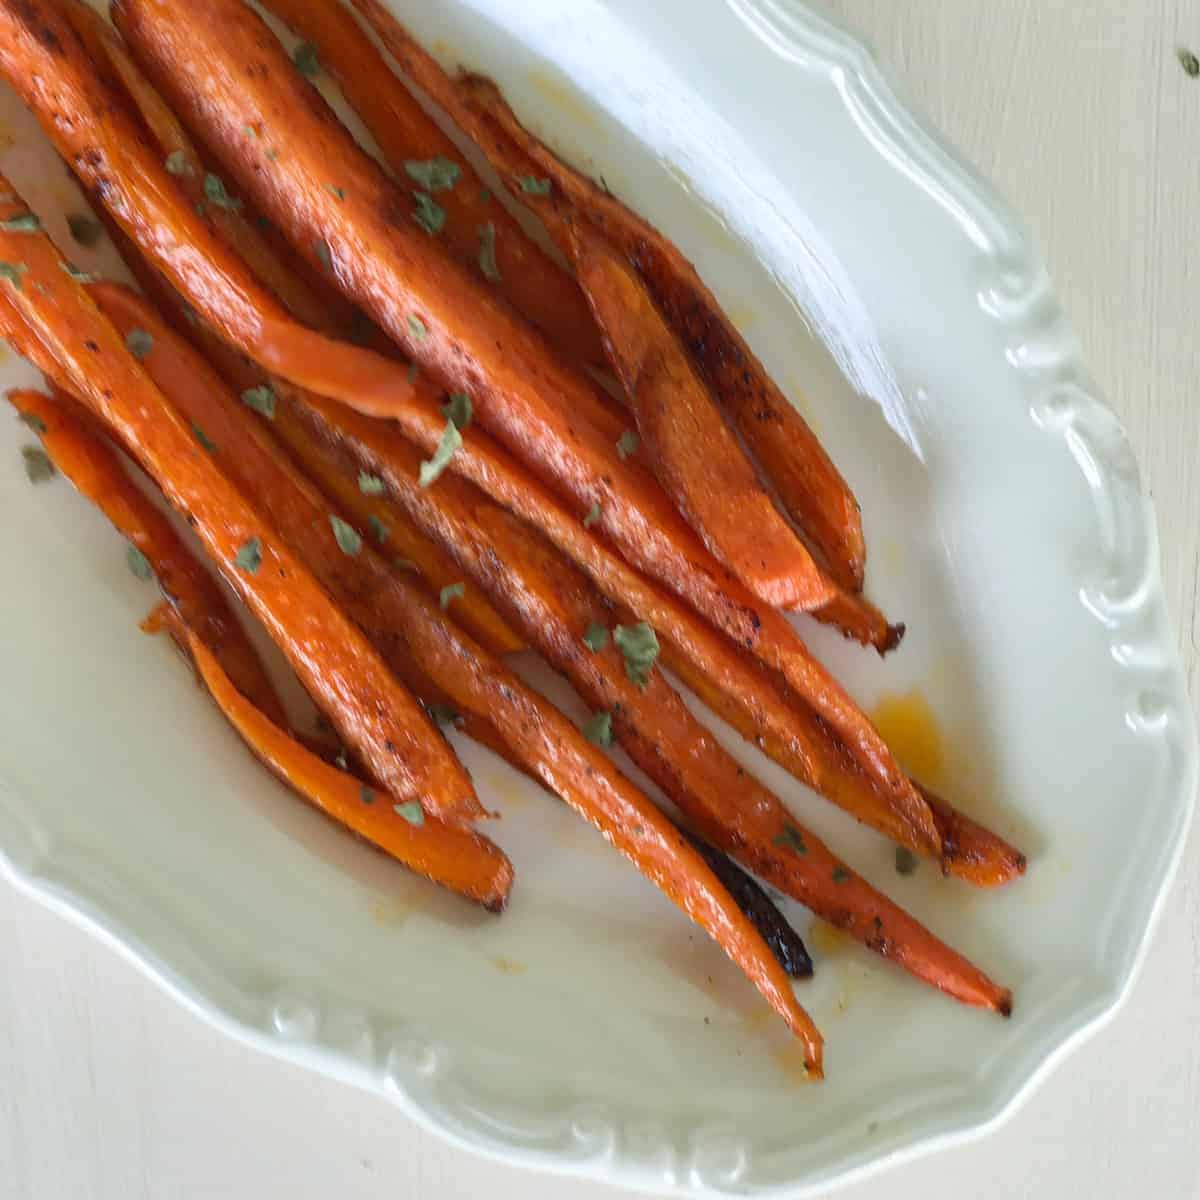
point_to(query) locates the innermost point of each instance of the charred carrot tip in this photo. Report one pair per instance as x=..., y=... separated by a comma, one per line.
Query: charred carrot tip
x=895, y=635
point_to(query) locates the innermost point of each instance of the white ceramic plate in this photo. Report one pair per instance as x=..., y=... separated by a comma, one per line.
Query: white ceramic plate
x=589, y=1030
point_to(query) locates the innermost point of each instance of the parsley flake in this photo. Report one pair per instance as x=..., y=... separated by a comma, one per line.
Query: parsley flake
x=598, y=729
x=791, y=839
x=379, y=531
x=458, y=409
x=348, y=539
x=627, y=444
x=139, y=564
x=840, y=874
x=595, y=637
x=592, y=517
x=639, y=644
x=306, y=60
x=1189, y=62
x=430, y=215
x=215, y=193
x=203, y=438
x=366, y=794
x=13, y=272
x=249, y=556
x=321, y=247
x=487, y=253
x=412, y=812
x=431, y=468
x=85, y=230
x=334, y=190
x=139, y=343
x=434, y=174
x=416, y=328
x=76, y=274
x=261, y=399
x=452, y=591
x=532, y=185
x=370, y=485
x=33, y=421
x=38, y=467
x=442, y=714
x=906, y=861
x=25, y=223
x=177, y=163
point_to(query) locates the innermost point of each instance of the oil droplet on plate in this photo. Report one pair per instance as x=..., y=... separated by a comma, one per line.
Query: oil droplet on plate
x=562, y=93
x=827, y=939
x=508, y=966
x=910, y=727
x=790, y=1060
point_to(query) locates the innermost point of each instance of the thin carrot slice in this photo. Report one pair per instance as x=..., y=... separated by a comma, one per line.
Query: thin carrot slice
x=55, y=322
x=478, y=230
x=95, y=470
x=325, y=188
x=456, y=858
x=420, y=642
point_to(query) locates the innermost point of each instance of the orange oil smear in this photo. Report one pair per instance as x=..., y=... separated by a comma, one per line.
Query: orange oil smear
x=910, y=727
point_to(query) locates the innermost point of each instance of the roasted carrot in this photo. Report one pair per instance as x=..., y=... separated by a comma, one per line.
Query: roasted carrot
x=456, y=858
x=424, y=159
x=95, y=469
x=325, y=187
x=55, y=321
x=693, y=452
x=420, y=642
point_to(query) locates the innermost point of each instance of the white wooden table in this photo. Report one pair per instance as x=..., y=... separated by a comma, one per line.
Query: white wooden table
x=1082, y=115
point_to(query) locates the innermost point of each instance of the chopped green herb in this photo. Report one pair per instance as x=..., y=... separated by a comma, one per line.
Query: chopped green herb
x=430, y=215
x=458, y=409
x=249, y=556
x=272, y=154
x=485, y=195
x=370, y=485
x=791, y=839
x=203, y=438
x=1188, y=61
x=85, y=230
x=250, y=131
x=215, y=193
x=379, y=531
x=139, y=564
x=412, y=812
x=306, y=60
x=33, y=421
x=366, y=794
x=139, y=343
x=452, y=591
x=431, y=468
x=177, y=163
x=323, y=254
x=413, y=371
x=598, y=728
x=261, y=399
x=442, y=714
x=906, y=861
x=628, y=444
x=595, y=637
x=531, y=185
x=25, y=223
x=13, y=272
x=639, y=644
x=434, y=174
x=416, y=328
x=404, y=564
x=487, y=252
x=340, y=193
x=840, y=874
x=348, y=539
x=592, y=517
x=38, y=467
x=76, y=274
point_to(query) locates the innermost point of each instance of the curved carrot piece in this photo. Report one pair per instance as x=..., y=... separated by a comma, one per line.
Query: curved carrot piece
x=95, y=470
x=56, y=323
x=527, y=277
x=458, y=859
x=325, y=187
x=420, y=643
x=694, y=453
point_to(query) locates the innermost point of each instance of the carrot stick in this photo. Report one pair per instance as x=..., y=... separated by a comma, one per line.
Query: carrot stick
x=811, y=487
x=458, y=859
x=325, y=187
x=54, y=320
x=694, y=453
x=95, y=470
x=411, y=140
x=420, y=642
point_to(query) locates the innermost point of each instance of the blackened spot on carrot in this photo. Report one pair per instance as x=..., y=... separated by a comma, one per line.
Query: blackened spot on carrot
x=95, y=349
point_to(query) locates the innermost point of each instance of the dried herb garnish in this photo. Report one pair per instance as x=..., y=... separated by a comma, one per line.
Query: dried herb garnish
x=595, y=637
x=487, y=252
x=370, y=485
x=906, y=861
x=366, y=794
x=458, y=409
x=791, y=839
x=203, y=438
x=416, y=328
x=76, y=274
x=411, y=811
x=840, y=874
x=139, y=343
x=452, y=591
x=249, y=556
x=431, y=468
x=215, y=193
x=430, y=215
x=261, y=399
x=24, y=223
x=306, y=60
x=1188, y=61
x=379, y=531
x=532, y=185
x=32, y=421
x=12, y=272
x=139, y=564
x=627, y=444
x=598, y=728
x=177, y=163
x=348, y=538
x=38, y=467
x=639, y=644
x=434, y=174
x=593, y=516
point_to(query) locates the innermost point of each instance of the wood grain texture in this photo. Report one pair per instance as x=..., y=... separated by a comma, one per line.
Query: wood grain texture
x=1081, y=115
